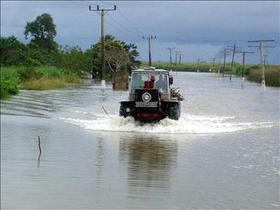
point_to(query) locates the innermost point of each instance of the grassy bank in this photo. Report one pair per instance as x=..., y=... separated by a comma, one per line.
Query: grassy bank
x=188, y=67
x=272, y=76
x=33, y=78
x=252, y=72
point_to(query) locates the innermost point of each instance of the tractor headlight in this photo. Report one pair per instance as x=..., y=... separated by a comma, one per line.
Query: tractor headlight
x=146, y=97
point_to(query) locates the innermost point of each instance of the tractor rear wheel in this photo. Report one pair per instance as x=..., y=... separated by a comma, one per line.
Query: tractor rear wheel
x=174, y=112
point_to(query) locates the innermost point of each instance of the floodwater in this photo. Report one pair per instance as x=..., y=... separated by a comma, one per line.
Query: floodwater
x=222, y=154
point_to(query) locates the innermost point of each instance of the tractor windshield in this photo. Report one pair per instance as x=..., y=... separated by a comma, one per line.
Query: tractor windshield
x=161, y=80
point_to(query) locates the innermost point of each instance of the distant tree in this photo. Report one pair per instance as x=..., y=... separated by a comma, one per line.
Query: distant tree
x=12, y=51
x=115, y=50
x=42, y=32
x=132, y=52
x=71, y=58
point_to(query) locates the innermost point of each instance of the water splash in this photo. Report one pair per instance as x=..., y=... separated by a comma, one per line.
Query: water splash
x=187, y=124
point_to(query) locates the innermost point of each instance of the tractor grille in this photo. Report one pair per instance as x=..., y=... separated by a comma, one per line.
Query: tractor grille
x=146, y=98
x=139, y=95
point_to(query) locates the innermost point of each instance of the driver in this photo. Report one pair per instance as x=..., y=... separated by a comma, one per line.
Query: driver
x=161, y=83
x=150, y=83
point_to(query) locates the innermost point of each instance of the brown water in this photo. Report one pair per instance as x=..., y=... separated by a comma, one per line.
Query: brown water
x=222, y=154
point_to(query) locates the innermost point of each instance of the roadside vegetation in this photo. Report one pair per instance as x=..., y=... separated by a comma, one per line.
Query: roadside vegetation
x=251, y=72
x=42, y=64
x=272, y=76
x=188, y=67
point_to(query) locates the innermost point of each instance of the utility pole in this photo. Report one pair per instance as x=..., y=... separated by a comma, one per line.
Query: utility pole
x=233, y=49
x=265, y=60
x=261, y=47
x=225, y=55
x=214, y=63
x=198, y=62
x=219, y=64
x=180, y=58
x=176, y=56
x=243, y=61
x=170, y=55
x=102, y=39
x=149, y=38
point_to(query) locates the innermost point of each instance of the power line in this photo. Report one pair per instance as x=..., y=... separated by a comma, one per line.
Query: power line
x=134, y=25
x=117, y=30
x=123, y=28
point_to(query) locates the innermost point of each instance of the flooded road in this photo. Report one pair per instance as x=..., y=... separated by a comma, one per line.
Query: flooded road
x=222, y=154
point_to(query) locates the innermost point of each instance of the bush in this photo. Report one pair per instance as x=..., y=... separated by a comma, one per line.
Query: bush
x=9, y=82
x=27, y=73
x=272, y=76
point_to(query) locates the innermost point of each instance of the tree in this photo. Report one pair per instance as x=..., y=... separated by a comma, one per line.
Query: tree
x=132, y=52
x=12, y=51
x=115, y=51
x=71, y=58
x=42, y=32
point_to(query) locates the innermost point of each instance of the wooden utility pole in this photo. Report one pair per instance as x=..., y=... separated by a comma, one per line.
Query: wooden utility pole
x=219, y=64
x=234, y=51
x=176, y=56
x=198, y=62
x=261, y=47
x=244, y=60
x=102, y=39
x=225, y=55
x=180, y=58
x=149, y=38
x=170, y=55
x=265, y=60
x=214, y=63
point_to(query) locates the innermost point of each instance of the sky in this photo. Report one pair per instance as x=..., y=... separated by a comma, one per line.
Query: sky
x=197, y=29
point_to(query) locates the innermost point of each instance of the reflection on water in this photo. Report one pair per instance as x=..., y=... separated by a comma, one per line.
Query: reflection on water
x=150, y=160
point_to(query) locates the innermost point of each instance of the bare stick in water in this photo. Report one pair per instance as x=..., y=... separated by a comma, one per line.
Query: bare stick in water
x=39, y=145
x=104, y=110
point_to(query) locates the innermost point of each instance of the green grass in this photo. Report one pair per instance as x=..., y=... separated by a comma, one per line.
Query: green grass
x=44, y=83
x=34, y=78
x=189, y=67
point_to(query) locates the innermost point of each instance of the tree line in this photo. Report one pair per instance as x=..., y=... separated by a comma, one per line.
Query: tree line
x=42, y=49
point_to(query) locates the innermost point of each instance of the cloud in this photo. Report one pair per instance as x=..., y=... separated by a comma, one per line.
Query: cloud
x=199, y=26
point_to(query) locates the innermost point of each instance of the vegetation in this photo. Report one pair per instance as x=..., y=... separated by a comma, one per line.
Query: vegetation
x=189, y=67
x=272, y=76
x=9, y=82
x=251, y=72
x=33, y=78
x=43, y=64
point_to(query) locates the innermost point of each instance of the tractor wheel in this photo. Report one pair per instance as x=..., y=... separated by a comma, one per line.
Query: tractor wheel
x=174, y=112
x=123, y=112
